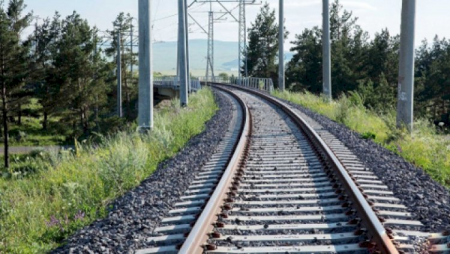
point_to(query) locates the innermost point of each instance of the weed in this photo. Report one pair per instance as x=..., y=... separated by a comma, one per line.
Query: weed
x=368, y=135
x=342, y=109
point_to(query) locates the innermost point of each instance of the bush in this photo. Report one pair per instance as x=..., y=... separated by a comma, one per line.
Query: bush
x=377, y=95
x=342, y=109
x=21, y=136
x=368, y=135
x=224, y=76
x=18, y=135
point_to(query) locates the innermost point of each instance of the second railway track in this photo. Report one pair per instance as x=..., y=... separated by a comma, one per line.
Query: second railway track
x=286, y=187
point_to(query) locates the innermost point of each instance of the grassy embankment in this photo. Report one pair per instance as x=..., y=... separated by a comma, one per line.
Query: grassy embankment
x=68, y=191
x=426, y=147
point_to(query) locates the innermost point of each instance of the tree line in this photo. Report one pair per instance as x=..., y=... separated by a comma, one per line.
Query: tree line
x=360, y=64
x=68, y=66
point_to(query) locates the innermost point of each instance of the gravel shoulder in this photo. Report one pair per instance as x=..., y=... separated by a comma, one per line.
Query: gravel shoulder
x=135, y=215
x=429, y=200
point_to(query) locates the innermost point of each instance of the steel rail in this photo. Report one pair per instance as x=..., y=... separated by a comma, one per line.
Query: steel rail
x=368, y=217
x=204, y=225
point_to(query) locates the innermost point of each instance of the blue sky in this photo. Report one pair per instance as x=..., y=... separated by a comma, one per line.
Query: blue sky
x=432, y=15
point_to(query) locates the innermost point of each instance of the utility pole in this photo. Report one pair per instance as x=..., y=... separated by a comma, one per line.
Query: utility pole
x=326, y=55
x=405, y=101
x=178, y=57
x=281, y=79
x=210, y=55
x=242, y=35
x=94, y=60
x=145, y=115
x=183, y=72
x=131, y=50
x=119, y=76
x=245, y=46
x=188, y=63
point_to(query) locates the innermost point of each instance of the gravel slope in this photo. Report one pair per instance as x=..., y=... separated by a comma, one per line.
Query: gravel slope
x=419, y=192
x=136, y=214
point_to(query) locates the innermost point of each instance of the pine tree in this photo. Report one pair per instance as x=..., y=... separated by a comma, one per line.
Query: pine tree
x=262, y=50
x=349, y=44
x=371, y=67
x=124, y=25
x=45, y=39
x=77, y=70
x=13, y=61
x=304, y=71
x=433, y=65
x=382, y=58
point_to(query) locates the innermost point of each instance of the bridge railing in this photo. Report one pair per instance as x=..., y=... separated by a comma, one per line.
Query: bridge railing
x=195, y=85
x=174, y=82
x=215, y=79
x=265, y=84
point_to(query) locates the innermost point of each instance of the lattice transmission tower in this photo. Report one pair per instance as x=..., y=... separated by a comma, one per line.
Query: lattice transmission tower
x=210, y=54
x=242, y=32
x=242, y=39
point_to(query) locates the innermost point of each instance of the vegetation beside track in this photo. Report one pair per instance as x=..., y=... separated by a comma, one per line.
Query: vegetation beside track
x=60, y=193
x=426, y=147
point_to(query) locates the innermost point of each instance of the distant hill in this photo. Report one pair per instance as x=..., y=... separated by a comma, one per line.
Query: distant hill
x=165, y=55
x=226, y=56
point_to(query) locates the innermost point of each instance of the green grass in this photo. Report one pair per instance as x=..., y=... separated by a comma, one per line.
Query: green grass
x=30, y=132
x=425, y=147
x=65, y=192
x=34, y=135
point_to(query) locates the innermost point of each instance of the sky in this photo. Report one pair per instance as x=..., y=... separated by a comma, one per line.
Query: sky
x=374, y=15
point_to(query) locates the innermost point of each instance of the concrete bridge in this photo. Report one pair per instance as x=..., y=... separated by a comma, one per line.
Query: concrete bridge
x=169, y=87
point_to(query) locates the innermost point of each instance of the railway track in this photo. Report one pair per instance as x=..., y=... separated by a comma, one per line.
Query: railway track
x=280, y=183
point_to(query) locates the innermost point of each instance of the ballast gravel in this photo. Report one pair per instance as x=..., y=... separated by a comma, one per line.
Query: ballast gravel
x=426, y=198
x=135, y=215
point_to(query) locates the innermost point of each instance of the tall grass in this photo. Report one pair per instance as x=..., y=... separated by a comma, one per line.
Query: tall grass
x=70, y=190
x=424, y=147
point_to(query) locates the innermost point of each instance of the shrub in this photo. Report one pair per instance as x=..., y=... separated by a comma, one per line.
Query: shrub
x=368, y=135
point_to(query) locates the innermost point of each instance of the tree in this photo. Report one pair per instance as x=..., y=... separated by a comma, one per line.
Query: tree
x=370, y=67
x=304, y=71
x=348, y=47
x=348, y=44
x=379, y=95
x=380, y=72
x=46, y=38
x=262, y=49
x=223, y=76
x=123, y=26
x=433, y=68
x=78, y=71
x=13, y=61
